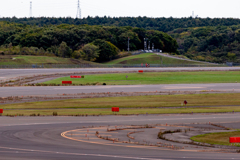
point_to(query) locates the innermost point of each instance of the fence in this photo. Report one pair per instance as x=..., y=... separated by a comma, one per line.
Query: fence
x=231, y=64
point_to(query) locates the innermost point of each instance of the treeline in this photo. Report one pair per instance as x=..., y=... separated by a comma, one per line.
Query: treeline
x=214, y=44
x=160, y=24
x=94, y=43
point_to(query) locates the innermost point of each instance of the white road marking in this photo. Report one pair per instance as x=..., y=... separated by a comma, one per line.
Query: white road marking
x=103, y=87
x=176, y=87
x=81, y=154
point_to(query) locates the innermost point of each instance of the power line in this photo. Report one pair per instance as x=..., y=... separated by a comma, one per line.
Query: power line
x=82, y=5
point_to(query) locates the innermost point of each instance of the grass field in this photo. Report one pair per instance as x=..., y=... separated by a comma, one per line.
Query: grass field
x=20, y=60
x=155, y=78
x=152, y=58
x=131, y=105
x=43, y=59
x=216, y=138
x=97, y=111
x=135, y=102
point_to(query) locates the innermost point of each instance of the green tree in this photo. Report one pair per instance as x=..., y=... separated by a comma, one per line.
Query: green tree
x=134, y=40
x=107, y=50
x=231, y=56
x=77, y=54
x=90, y=52
x=64, y=50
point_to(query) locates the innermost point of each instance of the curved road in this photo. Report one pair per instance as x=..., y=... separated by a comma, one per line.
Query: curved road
x=40, y=138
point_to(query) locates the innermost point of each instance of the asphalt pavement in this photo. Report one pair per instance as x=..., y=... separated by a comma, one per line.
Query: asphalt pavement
x=11, y=73
x=40, y=138
x=54, y=90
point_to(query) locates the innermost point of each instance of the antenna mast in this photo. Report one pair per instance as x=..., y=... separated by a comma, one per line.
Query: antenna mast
x=79, y=11
x=30, y=14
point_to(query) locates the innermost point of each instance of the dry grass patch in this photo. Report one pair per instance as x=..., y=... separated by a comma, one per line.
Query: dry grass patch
x=231, y=99
x=134, y=111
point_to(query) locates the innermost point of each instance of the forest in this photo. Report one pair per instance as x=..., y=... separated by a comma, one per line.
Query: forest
x=214, y=44
x=205, y=39
x=93, y=43
x=160, y=24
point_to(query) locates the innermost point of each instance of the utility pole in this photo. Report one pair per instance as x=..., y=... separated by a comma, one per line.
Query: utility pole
x=145, y=43
x=128, y=44
x=79, y=14
x=30, y=14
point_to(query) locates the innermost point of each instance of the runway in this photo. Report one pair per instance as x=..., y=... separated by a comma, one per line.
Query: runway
x=54, y=90
x=11, y=73
x=39, y=138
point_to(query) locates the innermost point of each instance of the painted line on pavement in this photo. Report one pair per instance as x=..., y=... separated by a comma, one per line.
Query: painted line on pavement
x=176, y=87
x=119, y=144
x=80, y=154
x=107, y=87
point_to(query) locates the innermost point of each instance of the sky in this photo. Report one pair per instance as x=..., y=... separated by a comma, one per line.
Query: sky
x=121, y=8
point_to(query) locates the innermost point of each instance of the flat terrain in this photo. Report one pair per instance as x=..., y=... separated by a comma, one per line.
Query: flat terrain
x=52, y=91
x=216, y=138
x=154, y=78
x=152, y=58
x=39, y=137
x=99, y=112
x=28, y=138
x=231, y=99
x=199, y=103
x=12, y=73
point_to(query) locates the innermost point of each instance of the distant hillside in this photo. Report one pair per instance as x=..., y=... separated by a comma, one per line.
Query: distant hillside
x=160, y=24
x=205, y=39
x=212, y=43
x=38, y=60
x=92, y=43
x=152, y=58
